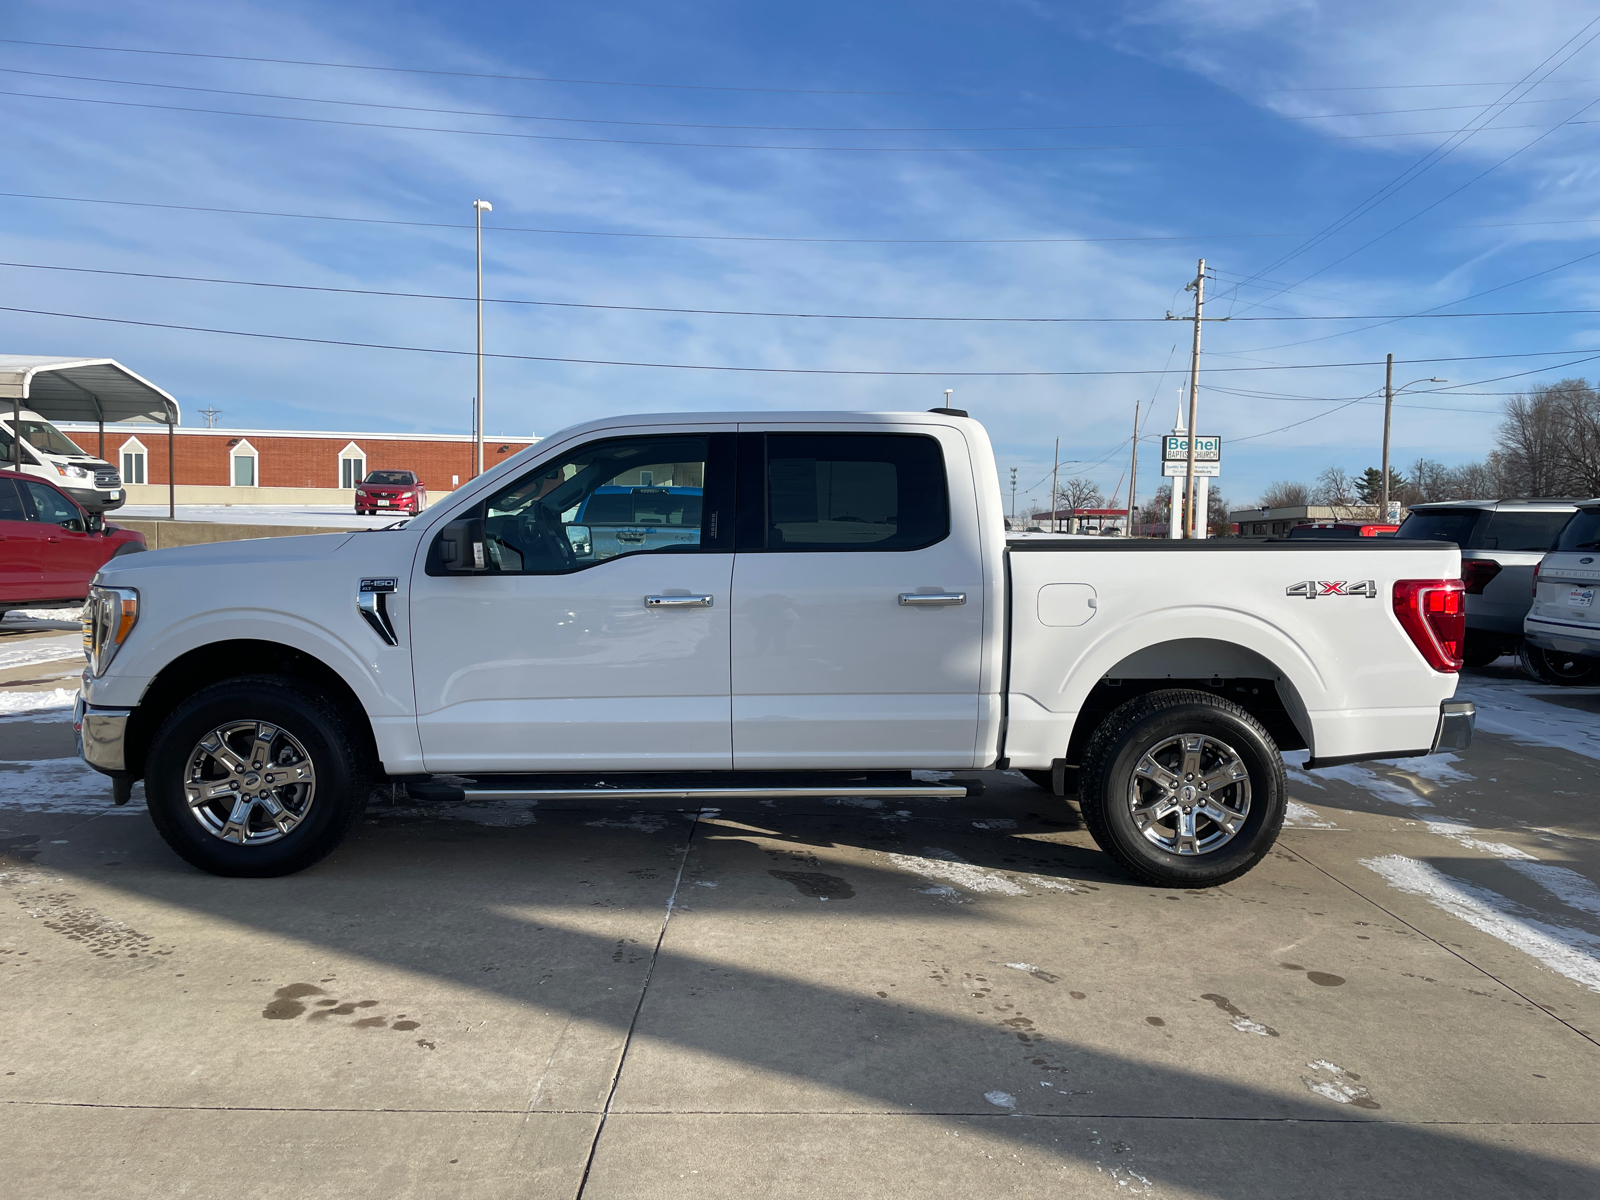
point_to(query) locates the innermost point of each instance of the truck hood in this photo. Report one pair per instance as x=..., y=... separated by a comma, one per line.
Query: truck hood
x=243, y=553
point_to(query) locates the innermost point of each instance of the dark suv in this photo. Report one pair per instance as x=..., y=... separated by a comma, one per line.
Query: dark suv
x=1501, y=543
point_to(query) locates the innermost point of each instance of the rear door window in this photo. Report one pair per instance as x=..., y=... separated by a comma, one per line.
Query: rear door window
x=1442, y=525
x=1582, y=531
x=1523, y=530
x=10, y=502
x=832, y=492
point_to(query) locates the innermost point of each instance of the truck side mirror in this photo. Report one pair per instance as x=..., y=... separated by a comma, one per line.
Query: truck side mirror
x=582, y=540
x=463, y=546
x=94, y=522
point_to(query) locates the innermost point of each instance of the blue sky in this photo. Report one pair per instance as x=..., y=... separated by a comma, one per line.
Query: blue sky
x=1151, y=133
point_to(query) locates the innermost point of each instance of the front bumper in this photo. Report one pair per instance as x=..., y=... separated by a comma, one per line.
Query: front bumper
x=94, y=500
x=102, y=737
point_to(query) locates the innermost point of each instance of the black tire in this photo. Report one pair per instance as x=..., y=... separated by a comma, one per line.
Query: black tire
x=1480, y=653
x=1149, y=723
x=129, y=548
x=313, y=724
x=1563, y=670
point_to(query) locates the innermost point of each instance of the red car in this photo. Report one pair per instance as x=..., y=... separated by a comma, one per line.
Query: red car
x=49, y=547
x=390, y=491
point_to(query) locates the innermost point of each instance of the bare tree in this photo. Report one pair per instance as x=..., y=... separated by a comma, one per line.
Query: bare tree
x=1336, y=490
x=1079, y=493
x=1284, y=494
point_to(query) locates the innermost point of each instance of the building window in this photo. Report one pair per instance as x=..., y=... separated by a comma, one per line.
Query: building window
x=352, y=466
x=242, y=460
x=134, y=458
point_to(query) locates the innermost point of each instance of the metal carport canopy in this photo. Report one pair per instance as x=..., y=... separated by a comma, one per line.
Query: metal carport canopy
x=83, y=389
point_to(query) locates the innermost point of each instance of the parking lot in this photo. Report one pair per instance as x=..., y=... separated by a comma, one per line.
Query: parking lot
x=810, y=998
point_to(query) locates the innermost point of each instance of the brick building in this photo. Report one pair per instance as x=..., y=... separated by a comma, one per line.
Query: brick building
x=270, y=459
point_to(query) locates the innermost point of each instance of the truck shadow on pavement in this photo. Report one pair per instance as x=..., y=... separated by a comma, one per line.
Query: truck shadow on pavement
x=838, y=962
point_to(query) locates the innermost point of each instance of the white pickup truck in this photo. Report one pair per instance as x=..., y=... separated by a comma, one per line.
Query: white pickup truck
x=780, y=604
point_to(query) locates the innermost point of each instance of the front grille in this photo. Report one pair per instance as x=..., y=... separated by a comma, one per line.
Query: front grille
x=107, y=477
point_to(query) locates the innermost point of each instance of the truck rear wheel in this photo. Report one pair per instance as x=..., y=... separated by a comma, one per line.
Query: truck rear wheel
x=255, y=777
x=1183, y=789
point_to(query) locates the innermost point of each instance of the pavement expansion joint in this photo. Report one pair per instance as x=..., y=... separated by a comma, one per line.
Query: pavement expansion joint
x=1448, y=949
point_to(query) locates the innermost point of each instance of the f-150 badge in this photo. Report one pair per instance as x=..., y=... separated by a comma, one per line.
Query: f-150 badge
x=1312, y=588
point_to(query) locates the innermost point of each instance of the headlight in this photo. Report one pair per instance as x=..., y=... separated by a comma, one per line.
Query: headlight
x=76, y=472
x=108, y=619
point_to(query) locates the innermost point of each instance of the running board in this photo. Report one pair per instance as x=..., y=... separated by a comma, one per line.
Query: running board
x=439, y=790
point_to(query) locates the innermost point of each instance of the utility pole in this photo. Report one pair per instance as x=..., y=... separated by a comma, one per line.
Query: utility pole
x=1055, y=524
x=1199, y=286
x=211, y=415
x=1013, y=497
x=479, y=207
x=1133, y=471
x=1388, y=405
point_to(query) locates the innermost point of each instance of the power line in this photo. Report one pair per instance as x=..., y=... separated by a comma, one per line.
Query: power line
x=505, y=116
x=689, y=87
x=727, y=237
x=558, y=137
x=1429, y=160
x=281, y=337
x=733, y=312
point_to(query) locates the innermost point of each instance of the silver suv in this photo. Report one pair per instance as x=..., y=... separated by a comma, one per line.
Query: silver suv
x=1563, y=626
x=1501, y=543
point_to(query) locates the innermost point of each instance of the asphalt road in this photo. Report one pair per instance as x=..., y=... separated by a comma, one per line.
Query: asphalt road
x=810, y=999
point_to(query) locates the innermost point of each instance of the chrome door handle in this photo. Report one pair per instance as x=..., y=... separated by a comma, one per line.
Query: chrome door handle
x=931, y=599
x=677, y=601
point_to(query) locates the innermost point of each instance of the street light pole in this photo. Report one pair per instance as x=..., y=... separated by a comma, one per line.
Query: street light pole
x=1199, y=285
x=479, y=207
x=1389, y=391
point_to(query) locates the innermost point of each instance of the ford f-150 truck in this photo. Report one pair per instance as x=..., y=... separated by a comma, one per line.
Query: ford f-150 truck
x=846, y=617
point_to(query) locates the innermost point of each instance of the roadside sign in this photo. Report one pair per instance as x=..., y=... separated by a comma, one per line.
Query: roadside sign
x=1180, y=469
x=1175, y=447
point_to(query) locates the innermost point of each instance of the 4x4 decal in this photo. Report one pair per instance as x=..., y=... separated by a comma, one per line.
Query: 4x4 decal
x=1312, y=588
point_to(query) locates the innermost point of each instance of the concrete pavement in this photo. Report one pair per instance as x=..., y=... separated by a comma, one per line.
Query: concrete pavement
x=814, y=999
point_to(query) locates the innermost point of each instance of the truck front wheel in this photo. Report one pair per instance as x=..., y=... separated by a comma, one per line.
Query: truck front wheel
x=255, y=777
x=1183, y=789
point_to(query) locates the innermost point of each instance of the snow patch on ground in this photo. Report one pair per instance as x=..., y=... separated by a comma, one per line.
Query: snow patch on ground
x=994, y=823
x=62, y=785
x=497, y=814
x=1570, y=952
x=1383, y=789
x=1566, y=885
x=1001, y=1099
x=30, y=704
x=935, y=863
x=1514, y=709
x=1302, y=816
x=40, y=650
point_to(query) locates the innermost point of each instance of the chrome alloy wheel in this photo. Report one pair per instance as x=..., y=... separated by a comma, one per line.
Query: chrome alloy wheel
x=249, y=782
x=1190, y=794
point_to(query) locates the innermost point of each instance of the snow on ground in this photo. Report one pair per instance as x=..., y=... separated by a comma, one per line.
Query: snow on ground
x=1513, y=707
x=34, y=705
x=1574, y=953
x=28, y=652
x=258, y=514
x=62, y=785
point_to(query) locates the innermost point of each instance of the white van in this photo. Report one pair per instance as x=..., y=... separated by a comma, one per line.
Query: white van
x=51, y=454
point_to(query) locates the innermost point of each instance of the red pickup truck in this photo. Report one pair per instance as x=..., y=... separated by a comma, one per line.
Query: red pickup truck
x=50, y=548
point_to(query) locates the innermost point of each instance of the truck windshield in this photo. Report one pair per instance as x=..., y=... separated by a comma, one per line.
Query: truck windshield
x=1582, y=532
x=46, y=438
x=1441, y=525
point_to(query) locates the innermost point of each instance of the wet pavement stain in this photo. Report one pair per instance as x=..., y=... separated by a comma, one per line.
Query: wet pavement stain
x=286, y=1004
x=816, y=885
x=1156, y=1021
x=21, y=848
